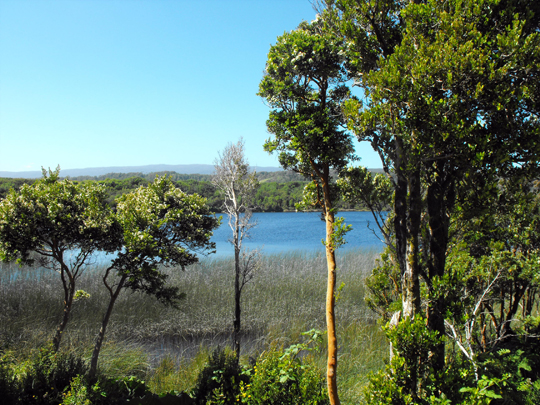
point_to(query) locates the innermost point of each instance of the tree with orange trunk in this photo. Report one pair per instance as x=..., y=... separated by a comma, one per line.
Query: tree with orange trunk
x=304, y=84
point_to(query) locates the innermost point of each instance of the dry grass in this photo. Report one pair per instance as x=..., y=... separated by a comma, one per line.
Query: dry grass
x=285, y=298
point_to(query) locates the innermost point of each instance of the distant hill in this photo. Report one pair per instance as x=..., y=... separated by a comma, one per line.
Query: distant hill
x=100, y=171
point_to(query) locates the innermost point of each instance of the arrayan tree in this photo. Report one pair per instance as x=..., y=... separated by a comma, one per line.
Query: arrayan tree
x=304, y=84
x=451, y=106
x=238, y=186
x=59, y=225
x=161, y=227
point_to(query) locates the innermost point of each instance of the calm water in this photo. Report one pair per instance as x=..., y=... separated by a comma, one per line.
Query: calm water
x=281, y=232
x=278, y=232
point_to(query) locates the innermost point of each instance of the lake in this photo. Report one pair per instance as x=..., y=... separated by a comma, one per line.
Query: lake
x=283, y=232
x=278, y=232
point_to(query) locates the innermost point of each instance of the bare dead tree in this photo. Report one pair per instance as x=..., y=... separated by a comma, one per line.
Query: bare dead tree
x=238, y=186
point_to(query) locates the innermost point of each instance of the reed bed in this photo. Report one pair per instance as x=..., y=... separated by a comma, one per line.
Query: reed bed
x=285, y=298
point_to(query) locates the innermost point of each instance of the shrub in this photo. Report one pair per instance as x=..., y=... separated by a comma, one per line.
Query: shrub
x=77, y=393
x=282, y=377
x=219, y=381
x=47, y=375
x=9, y=386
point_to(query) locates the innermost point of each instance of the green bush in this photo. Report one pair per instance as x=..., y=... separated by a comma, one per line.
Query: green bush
x=219, y=381
x=282, y=377
x=9, y=387
x=47, y=375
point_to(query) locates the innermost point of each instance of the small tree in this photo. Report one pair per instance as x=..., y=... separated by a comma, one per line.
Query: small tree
x=304, y=84
x=238, y=187
x=162, y=227
x=62, y=223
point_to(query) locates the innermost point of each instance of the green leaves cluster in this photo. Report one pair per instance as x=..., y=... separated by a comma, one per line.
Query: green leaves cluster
x=304, y=84
x=282, y=377
x=52, y=217
x=63, y=224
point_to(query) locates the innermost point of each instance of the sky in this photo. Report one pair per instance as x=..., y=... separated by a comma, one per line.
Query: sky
x=104, y=83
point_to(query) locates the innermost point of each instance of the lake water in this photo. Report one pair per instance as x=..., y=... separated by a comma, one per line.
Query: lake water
x=278, y=232
x=283, y=232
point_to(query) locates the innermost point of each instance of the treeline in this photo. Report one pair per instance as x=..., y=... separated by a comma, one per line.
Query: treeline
x=277, y=176
x=278, y=191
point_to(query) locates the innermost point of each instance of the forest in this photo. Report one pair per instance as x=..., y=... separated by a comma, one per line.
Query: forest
x=448, y=95
x=278, y=191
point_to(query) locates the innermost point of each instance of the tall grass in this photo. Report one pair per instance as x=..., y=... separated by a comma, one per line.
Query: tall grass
x=285, y=298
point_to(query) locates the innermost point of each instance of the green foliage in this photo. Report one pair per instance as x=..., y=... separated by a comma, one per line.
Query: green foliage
x=44, y=377
x=7, y=184
x=384, y=287
x=77, y=393
x=51, y=216
x=374, y=190
x=60, y=223
x=9, y=385
x=162, y=226
x=282, y=377
x=220, y=380
x=303, y=84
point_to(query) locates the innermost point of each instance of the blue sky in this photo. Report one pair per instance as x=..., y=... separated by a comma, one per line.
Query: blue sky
x=135, y=82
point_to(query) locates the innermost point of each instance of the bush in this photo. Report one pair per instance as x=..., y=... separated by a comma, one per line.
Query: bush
x=282, y=377
x=219, y=381
x=47, y=375
x=9, y=387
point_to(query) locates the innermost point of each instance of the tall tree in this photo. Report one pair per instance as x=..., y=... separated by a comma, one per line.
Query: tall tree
x=161, y=227
x=304, y=84
x=238, y=187
x=63, y=224
x=451, y=102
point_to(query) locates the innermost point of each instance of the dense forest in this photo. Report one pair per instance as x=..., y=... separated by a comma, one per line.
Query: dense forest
x=277, y=191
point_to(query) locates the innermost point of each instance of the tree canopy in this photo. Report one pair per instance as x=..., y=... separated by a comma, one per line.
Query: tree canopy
x=161, y=227
x=304, y=84
x=451, y=106
x=60, y=224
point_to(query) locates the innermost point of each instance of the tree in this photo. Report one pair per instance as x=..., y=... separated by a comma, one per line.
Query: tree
x=304, y=84
x=161, y=227
x=451, y=104
x=62, y=223
x=238, y=187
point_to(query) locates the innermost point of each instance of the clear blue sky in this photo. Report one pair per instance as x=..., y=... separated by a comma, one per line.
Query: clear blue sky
x=92, y=83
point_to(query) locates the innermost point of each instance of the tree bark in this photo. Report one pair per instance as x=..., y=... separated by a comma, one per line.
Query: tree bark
x=69, y=293
x=438, y=241
x=331, y=372
x=410, y=280
x=101, y=335
x=237, y=308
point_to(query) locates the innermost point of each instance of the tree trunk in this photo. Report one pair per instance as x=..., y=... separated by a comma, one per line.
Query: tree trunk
x=331, y=372
x=101, y=335
x=330, y=314
x=237, y=309
x=69, y=293
x=438, y=224
x=410, y=280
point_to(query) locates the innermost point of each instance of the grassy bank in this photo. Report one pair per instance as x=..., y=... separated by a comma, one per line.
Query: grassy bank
x=168, y=347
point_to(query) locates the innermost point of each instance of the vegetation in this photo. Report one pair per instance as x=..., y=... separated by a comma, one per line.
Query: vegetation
x=276, y=193
x=451, y=106
x=449, y=100
x=304, y=84
x=161, y=227
x=167, y=348
x=63, y=224
x=238, y=186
